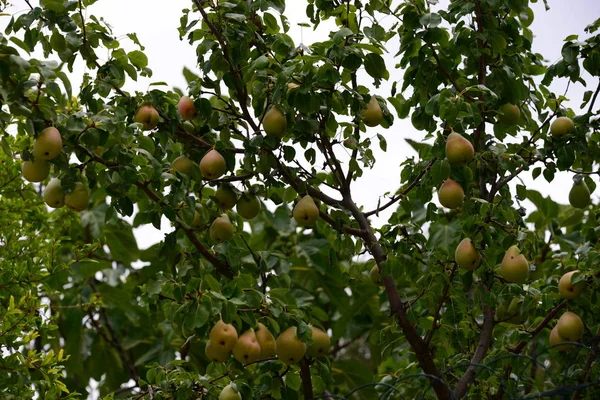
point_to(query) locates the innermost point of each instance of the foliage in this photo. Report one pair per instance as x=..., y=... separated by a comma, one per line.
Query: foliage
x=81, y=299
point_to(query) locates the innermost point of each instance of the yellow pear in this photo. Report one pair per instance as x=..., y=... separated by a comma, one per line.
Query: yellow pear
x=223, y=336
x=214, y=354
x=226, y=196
x=229, y=393
x=375, y=275
x=290, y=349
x=306, y=211
x=77, y=199
x=265, y=340
x=320, y=345
x=466, y=255
x=562, y=126
x=248, y=205
x=579, y=195
x=514, y=267
x=570, y=326
x=35, y=171
x=509, y=114
x=459, y=149
x=274, y=122
x=48, y=144
x=221, y=229
x=183, y=164
x=568, y=290
x=451, y=194
x=247, y=349
x=555, y=338
x=372, y=114
x=53, y=194
x=213, y=165
x=147, y=116
x=186, y=108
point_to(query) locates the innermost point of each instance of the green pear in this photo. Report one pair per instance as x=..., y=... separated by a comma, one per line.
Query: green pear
x=214, y=354
x=265, y=340
x=147, y=116
x=458, y=149
x=223, y=336
x=35, y=171
x=290, y=349
x=77, y=199
x=466, y=255
x=221, y=229
x=509, y=114
x=568, y=290
x=213, y=165
x=53, y=194
x=372, y=113
x=579, y=196
x=274, y=122
x=248, y=205
x=48, y=144
x=562, y=126
x=183, y=164
x=375, y=276
x=555, y=338
x=247, y=349
x=570, y=326
x=451, y=194
x=229, y=393
x=516, y=312
x=351, y=143
x=320, y=345
x=514, y=267
x=187, y=109
x=226, y=196
x=306, y=211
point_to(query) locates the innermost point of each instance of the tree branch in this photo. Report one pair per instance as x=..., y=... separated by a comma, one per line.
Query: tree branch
x=307, y=388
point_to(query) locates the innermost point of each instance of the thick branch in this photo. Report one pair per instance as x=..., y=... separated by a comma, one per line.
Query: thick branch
x=521, y=345
x=307, y=388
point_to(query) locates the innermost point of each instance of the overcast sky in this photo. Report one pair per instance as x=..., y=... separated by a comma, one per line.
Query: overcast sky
x=156, y=22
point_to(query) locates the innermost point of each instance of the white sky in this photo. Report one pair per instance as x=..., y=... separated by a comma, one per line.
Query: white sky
x=156, y=22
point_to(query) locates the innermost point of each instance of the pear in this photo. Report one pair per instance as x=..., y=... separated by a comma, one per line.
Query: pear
x=375, y=276
x=48, y=144
x=265, y=340
x=562, y=126
x=320, y=345
x=248, y=205
x=221, y=229
x=555, y=338
x=147, y=116
x=458, y=149
x=514, y=267
x=509, y=114
x=579, y=196
x=274, y=122
x=77, y=199
x=53, y=194
x=226, y=196
x=186, y=108
x=223, y=336
x=290, y=349
x=35, y=171
x=214, y=354
x=306, y=211
x=213, y=165
x=466, y=255
x=570, y=326
x=247, y=349
x=183, y=164
x=451, y=194
x=372, y=114
x=229, y=393
x=567, y=290
x=515, y=311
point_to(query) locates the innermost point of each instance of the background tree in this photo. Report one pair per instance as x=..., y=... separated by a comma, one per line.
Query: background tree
x=255, y=167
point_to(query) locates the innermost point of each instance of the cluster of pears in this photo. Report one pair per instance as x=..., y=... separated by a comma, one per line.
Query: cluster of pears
x=570, y=326
x=259, y=343
x=47, y=146
x=459, y=150
x=514, y=267
x=55, y=196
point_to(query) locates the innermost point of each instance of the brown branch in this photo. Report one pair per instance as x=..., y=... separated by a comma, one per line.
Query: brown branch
x=593, y=356
x=307, y=388
x=436, y=316
x=594, y=99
